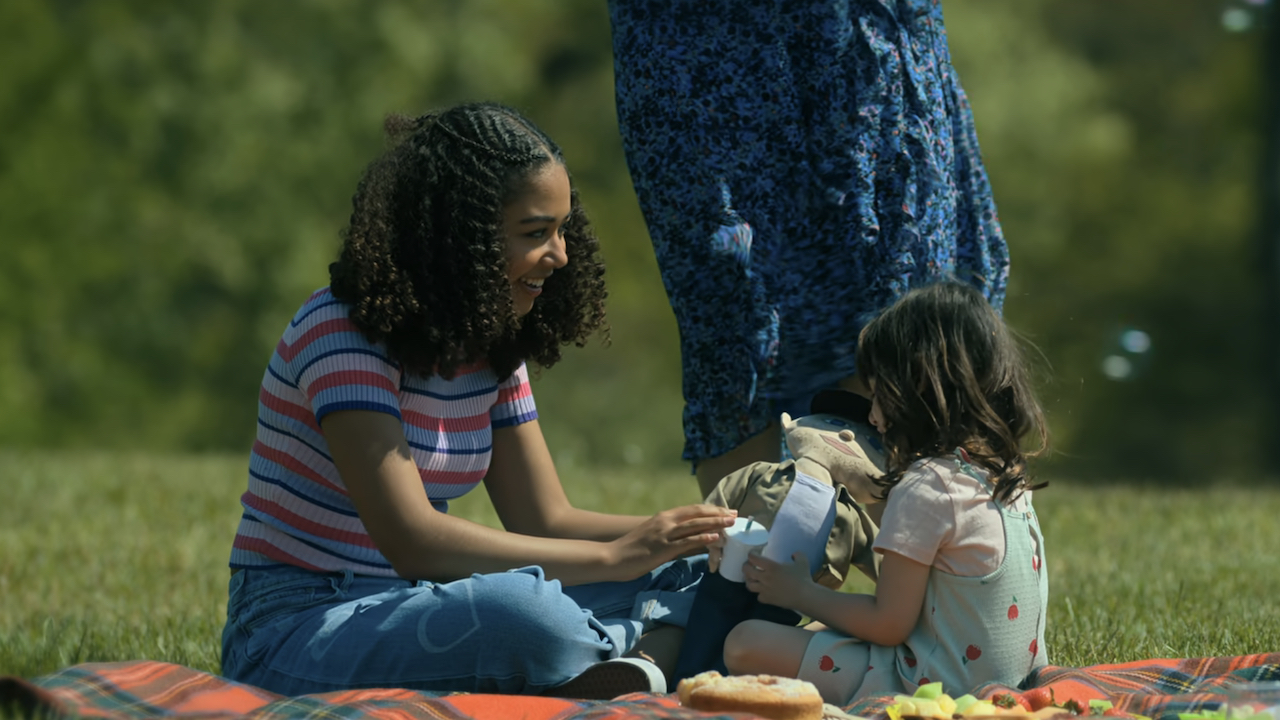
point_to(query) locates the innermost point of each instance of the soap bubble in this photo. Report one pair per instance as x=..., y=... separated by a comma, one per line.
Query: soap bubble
x=1117, y=367
x=1135, y=341
x=1237, y=19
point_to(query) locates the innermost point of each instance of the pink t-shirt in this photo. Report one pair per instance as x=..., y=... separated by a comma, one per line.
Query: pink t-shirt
x=941, y=516
x=296, y=508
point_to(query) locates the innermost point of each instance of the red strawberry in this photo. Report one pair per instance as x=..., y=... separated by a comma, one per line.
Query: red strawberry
x=924, y=681
x=1013, y=611
x=826, y=664
x=1074, y=707
x=911, y=662
x=1010, y=701
x=1038, y=698
x=1035, y=645
x=973, y=652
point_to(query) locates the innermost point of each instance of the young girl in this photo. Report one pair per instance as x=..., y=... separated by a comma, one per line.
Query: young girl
x=403, y=385
x=962, y=593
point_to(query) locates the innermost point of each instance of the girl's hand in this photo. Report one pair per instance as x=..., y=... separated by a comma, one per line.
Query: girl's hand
x=781, y=584
x=670, y=534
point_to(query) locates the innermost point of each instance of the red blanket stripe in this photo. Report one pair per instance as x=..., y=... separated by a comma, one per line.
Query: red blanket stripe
x=1157, y=688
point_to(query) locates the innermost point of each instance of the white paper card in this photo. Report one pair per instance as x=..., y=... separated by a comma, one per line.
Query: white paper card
x=803, y=522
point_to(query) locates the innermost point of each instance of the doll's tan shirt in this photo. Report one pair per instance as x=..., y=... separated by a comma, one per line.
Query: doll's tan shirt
x=758, y=490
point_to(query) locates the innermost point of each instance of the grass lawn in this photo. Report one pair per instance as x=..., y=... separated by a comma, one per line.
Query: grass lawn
x=118, y=557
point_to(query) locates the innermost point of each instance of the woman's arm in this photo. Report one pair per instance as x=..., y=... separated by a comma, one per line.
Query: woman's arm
x=885, y=618
x=527, y=494
x=373, y=459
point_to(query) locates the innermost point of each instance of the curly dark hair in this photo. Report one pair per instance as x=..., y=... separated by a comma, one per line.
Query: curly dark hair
x=423, y=261
x=948, y=373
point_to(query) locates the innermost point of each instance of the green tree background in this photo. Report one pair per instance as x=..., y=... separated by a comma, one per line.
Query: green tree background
x=173, y=178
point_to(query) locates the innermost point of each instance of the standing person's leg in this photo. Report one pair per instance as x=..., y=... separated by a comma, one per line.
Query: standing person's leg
x=293, y=631
x=764, y=447
x=689, y=132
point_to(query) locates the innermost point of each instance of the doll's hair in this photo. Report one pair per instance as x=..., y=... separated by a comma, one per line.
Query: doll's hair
x=949, y=374
x=423, y=261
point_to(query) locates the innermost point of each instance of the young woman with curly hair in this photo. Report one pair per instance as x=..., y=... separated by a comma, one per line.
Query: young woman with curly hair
x=403, y=385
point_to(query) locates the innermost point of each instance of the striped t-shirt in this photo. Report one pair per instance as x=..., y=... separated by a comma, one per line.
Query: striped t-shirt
x=296, y=510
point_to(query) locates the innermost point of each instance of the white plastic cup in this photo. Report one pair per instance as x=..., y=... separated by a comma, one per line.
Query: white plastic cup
x=745, y=536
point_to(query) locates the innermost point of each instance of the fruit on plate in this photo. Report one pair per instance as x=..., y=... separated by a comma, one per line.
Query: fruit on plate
x=929, y=691
x=1037, y=698
x=1011, y=701
x=929, y=701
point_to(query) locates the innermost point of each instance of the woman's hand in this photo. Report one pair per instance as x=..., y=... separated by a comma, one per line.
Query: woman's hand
x=781, y=584
x=670, y=534
x=715, y=552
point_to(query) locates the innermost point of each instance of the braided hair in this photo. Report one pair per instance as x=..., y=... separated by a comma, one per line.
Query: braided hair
x=423, y=261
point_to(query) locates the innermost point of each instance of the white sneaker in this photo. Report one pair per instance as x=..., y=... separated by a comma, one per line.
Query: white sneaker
x=611, y=678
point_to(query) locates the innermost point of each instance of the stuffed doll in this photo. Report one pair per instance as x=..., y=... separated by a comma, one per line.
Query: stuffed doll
x=837, y=448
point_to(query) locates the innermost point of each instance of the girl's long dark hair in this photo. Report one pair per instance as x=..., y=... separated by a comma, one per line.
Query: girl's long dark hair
x=423, y=261
x=949, y=374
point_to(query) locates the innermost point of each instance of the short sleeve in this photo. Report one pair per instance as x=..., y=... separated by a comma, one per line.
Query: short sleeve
x=515, y=404
x=919, y=517
x=327, y=357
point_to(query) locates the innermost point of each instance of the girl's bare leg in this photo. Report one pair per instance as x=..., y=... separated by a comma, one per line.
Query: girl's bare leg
x=761, y=647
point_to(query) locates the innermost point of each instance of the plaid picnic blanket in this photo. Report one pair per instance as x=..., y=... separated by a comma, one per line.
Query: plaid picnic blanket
x=143, y=689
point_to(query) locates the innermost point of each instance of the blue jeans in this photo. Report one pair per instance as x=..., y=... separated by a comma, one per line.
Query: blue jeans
x=292, y=631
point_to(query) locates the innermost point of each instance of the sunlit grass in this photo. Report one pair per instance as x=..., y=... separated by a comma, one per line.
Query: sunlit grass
x=121, y=557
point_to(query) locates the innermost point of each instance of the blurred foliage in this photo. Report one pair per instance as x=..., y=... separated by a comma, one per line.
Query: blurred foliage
x=173, y=179
x=1123, y=148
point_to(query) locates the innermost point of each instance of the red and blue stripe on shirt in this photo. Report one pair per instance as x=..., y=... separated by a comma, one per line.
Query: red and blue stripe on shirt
x=296, y=509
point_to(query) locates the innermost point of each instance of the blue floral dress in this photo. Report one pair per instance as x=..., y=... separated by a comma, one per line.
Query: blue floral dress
x=800, y=164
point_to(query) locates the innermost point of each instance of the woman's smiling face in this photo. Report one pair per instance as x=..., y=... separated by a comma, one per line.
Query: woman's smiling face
x=533, y=223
